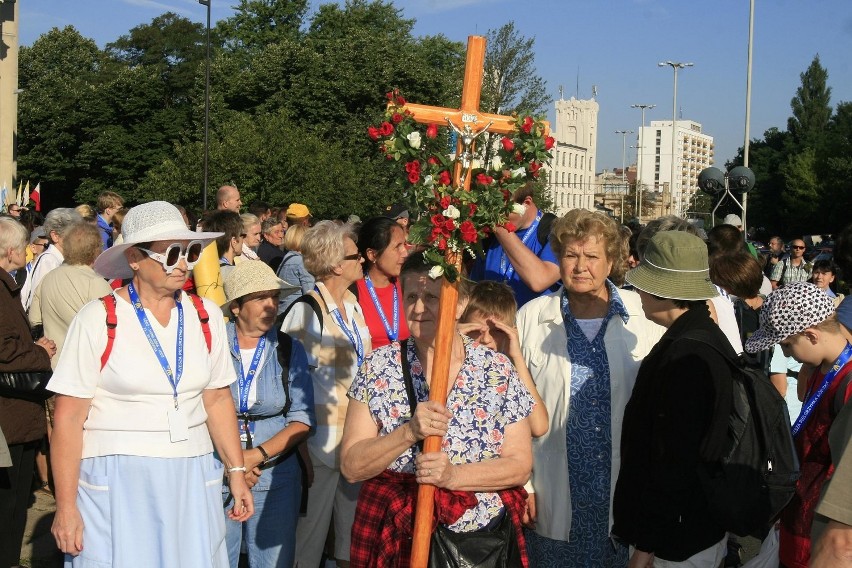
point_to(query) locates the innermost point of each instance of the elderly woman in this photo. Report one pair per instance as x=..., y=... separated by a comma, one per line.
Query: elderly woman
x=583, y=346
x=381, y=241
x=56, y=224
x=292, y=268
x=69, y=287
x=142, y=399
x=275, y=405
x=21, y=421
x=486, y=447
x=251, y=229
x=669, y=428
x=329, y=323
x=271, y=242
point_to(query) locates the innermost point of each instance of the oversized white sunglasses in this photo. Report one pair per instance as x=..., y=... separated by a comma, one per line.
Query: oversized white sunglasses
x=171, y=257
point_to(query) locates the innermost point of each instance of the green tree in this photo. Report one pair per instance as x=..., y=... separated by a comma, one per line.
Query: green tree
x=57, y=74
x=511, y=83
x=259, y=23
x=811, y=106
x=171, y=46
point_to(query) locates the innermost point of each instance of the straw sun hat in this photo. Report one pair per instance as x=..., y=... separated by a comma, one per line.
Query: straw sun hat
x=675, y=267
x=253, y=276
x=146, y=223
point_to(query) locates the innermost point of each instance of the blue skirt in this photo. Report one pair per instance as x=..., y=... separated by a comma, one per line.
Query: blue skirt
x=144, y=511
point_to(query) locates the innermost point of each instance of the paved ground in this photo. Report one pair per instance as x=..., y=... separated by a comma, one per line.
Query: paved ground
x=39, y=549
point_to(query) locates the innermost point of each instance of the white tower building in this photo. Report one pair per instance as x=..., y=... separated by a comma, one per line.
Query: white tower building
x=572, y=170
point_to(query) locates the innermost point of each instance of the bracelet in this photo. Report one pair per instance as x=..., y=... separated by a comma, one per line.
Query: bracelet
x=263, y=453
x=241, y=468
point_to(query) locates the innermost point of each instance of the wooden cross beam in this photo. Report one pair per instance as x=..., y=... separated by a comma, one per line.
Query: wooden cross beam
x=467, y=115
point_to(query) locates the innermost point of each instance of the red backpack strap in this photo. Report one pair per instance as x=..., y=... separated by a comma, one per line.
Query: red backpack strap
x=111, y=322
x=204, y=318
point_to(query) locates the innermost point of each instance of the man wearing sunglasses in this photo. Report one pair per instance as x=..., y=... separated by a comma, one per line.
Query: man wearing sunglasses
x=792, y=269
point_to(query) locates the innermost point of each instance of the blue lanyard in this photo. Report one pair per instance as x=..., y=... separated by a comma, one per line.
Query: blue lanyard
x=392, y=333
x=174, y=380
x=813, y=399
x=355, y=339
x=244, y=380
x=506, y=268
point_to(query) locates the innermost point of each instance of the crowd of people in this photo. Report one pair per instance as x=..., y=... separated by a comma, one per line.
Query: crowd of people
x=588, y=372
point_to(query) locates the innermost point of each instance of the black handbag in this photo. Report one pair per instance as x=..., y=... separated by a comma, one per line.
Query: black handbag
x=26, y=385
x=494, y=548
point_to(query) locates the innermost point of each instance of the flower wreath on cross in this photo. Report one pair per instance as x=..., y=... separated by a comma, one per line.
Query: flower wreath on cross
x=452, y=218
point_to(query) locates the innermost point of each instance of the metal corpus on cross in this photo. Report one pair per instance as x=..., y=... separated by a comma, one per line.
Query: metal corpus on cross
x=469, y=123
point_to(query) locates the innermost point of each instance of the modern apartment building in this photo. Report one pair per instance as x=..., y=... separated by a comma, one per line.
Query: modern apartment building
x=693, y=153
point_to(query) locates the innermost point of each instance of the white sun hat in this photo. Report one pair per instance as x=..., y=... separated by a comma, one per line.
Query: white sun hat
x=146, y=223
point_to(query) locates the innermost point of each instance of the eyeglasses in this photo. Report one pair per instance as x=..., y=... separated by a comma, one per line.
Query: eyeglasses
x=175, y=252
x=356, y=256
x=38, y=244
x=797, y=247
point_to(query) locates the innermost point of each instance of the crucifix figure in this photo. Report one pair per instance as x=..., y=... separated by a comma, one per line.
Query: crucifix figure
x=464, y=121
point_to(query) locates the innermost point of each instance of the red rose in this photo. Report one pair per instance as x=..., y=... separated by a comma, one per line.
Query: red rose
x=510, y=227
x=442, y=244
x=449, y=226
x=468, y=232
x=432, y=131
x=444, y=178
x=549, y=141
x=483, y=179
x=400, y=101
x=373, y=132
x=527, y=125
x=389, y=95
x=445, y=202
x=396, y=118
x=386, y=129
x=507, y=143
x=519, y=157
x=414, y=177
x=412, y=167
x=433, y=160
x=437, y=220
x=534, y=167
x=506, y=194
x=472, y=209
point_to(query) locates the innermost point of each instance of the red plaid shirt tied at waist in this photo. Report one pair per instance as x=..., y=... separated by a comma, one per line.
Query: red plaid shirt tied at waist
x=384, y=519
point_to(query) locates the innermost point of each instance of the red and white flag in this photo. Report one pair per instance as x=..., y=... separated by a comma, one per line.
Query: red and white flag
x=35, y=196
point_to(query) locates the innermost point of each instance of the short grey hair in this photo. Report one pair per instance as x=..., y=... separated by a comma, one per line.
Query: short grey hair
x=60, y=220
x=249, y=220
x=13, y=235
x=667, y=223
x=266, y=226
x=322, y=247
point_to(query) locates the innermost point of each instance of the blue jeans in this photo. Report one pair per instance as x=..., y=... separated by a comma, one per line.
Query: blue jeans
x=270, y=534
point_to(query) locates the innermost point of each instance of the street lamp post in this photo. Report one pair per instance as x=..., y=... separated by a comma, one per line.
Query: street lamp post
x=206, y=106
x=624, y=134
x=644, y=107
x=675, y=65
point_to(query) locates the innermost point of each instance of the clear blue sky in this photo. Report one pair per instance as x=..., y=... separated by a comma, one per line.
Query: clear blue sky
x=613, y=44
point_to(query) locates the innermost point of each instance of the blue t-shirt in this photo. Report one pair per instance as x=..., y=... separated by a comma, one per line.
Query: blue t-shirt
x=496, y=266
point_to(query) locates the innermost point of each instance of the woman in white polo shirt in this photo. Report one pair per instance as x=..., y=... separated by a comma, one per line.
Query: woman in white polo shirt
x=137, y=416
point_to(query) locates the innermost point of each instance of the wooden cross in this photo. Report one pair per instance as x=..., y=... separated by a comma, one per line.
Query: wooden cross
x=467, y=115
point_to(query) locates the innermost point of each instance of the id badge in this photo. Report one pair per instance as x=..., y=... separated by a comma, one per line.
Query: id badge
x=178, y=426
x=246, y=430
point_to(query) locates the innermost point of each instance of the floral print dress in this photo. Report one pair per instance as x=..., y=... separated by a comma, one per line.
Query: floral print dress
x=485, y=397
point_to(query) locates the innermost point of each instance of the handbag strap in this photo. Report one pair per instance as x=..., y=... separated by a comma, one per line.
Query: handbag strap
x=409, y=382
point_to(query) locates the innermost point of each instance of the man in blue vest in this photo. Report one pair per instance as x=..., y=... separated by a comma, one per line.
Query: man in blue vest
x=108, y=204
x=522, y=258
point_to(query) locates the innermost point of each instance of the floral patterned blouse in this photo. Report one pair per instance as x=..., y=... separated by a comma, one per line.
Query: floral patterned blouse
x=486, y=396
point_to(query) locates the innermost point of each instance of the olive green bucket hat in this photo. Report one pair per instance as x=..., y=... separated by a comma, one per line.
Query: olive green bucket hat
x=675, y=266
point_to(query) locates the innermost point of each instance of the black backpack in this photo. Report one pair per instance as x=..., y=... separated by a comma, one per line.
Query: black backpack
x=756, y=478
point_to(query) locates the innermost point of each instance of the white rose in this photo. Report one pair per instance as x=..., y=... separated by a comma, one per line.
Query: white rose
x=414, y=140
x=519, y=209
x=427, y=181
x=497, y=163
x=436, y=272
x=518, y=172
x=451, y=212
